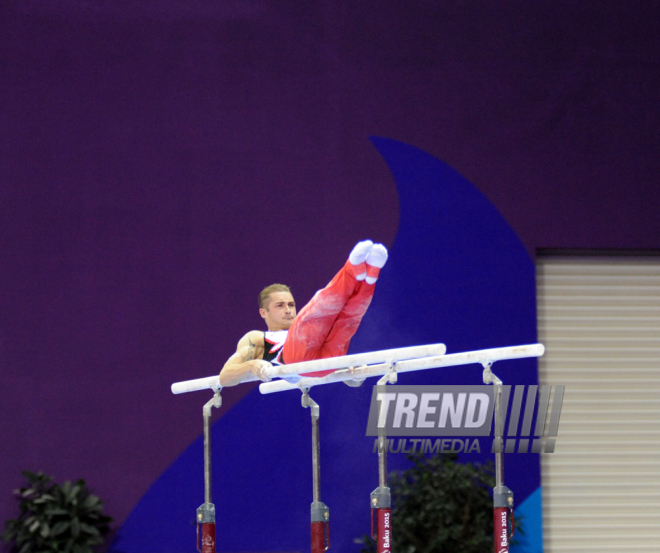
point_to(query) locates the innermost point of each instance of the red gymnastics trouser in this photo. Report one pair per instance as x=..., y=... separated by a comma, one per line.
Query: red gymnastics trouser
x=325, y=326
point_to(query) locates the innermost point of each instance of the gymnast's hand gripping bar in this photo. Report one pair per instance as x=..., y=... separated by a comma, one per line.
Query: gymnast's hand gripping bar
x=330, y=363
x=438, y=361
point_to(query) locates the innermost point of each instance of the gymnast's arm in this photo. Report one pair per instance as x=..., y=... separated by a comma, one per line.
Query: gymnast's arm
x=248, y=359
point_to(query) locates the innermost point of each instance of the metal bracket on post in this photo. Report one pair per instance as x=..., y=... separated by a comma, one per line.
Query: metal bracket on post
x=488, y=376
x=206, y=513
x=390, y=377
x=502, y=497
x=381, y=498
x=215, y=401
x=320, y=512
x=307, y=401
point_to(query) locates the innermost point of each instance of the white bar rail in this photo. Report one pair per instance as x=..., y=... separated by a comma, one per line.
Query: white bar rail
x=331, y=363
x=451, y=360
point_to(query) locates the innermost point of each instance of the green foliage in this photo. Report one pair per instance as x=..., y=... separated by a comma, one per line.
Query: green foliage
x=54, y=518
x=441, y=506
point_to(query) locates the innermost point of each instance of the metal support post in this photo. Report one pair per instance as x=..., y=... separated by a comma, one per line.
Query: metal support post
x=320, y=514
x=381, y=500
x=503, y=517
x=206, y=511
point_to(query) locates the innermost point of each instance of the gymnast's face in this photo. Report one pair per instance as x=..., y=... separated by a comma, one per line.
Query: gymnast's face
x=280, y=311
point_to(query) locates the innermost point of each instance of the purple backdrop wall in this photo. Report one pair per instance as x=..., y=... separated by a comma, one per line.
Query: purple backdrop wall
x=159, y=164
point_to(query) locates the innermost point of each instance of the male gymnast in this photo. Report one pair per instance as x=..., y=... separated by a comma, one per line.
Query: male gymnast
x=323, y=328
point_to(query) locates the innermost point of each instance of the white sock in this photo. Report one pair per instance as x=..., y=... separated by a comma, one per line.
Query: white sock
x=360, y=252
x=376, y=258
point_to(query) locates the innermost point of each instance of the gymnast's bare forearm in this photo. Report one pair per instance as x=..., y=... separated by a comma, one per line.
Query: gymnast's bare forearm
x=247, y=360
x=233, y=373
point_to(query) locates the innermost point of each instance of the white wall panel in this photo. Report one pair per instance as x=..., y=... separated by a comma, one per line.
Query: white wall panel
x=599, y=319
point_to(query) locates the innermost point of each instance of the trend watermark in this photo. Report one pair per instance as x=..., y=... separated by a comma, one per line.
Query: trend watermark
x=466, y=411
x=422, y=445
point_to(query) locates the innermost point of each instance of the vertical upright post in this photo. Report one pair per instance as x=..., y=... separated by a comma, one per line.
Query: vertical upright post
x=381, y=503
x=502, y=496
x=206, y=511
x=320, y=514
x=381, y=500
x=207, y=457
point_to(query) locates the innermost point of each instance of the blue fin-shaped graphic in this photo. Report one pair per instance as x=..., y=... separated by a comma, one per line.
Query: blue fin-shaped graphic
x=458, y=274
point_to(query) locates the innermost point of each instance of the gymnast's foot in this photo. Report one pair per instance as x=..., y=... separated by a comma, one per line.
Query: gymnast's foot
x=375, y=262
x=358, y=257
